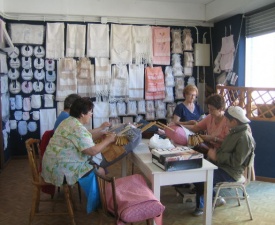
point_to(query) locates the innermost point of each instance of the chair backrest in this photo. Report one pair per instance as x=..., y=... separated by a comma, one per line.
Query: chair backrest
x=102, y=183
x=32, y=146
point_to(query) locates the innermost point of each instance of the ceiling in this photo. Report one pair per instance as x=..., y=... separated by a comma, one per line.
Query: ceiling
x=161, y=12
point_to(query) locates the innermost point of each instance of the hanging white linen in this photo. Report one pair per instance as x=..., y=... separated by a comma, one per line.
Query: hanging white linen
x=3, y=63
x=136, y=82
x=100, y=113
x=55, y=40
x=4, y=84
x=5, y=100
x=227, y=53
x=86, y=85
x=102, y=76
x=47, y=120
x=27, y=34
x=121, y=44
x=142, y=44
x=119, y=88
x=176, y=41
x=187, y=40
x=75, y=42
x=98, y=41
x=66, y=78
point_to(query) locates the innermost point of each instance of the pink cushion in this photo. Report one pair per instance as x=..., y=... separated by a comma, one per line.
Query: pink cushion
x=178, y=136
x=136, y=201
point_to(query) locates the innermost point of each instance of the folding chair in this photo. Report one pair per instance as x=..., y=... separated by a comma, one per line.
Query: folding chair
x=240, y=184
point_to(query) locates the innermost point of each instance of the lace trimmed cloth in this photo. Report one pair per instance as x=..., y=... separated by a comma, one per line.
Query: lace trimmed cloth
x=136, y=82
x=176, y=41
x=27, y=34
x=55, y=40
x=85, y=78
x=227, y=53
x=75, y=42
x=121, y=44
x=66, y=78
x=98, y=40
x=102, y=77
x=161, y=45
x=119, y=84
x=142, y=44
x=100, y=113
x=154, y=83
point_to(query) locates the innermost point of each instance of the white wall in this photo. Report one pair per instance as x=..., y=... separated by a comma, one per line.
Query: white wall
x=115, y=8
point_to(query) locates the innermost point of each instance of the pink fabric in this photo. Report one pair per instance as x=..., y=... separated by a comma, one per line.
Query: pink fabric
x=178, y=136
x=219, y=131
x=161, y=45
x=154, y=83
x=136, y=202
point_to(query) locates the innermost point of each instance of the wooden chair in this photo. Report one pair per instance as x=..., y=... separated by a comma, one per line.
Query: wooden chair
x=105, y=214
x=32, y=146
x=240, y=184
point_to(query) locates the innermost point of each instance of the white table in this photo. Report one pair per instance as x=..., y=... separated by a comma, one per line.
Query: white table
x=142, y=158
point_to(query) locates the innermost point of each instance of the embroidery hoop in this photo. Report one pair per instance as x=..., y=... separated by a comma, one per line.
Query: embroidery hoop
x=26, y=87
x=14, y=63
x=26, y=63
x=50, y=76
x=13, y=75
x=14, y=53
x=39, y=75
x=38, y=86
x=27, y=74
x=50, y=87
x=39, y=51
x=50, y=64
x=27, y=50
x=38, y=63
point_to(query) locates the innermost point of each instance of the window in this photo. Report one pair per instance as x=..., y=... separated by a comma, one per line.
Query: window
x=260, y=61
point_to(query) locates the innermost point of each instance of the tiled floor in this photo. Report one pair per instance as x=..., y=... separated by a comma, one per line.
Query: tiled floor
x=16, y=194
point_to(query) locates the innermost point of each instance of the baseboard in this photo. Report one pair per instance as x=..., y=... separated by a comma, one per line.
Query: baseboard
x=265, y=179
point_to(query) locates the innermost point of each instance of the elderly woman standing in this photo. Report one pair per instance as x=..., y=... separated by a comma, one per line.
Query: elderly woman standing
x=188, y=112
x=67, y=157
x=213, y=124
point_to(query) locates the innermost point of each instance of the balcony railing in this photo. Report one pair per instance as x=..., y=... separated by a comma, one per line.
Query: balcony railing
x=259, y=103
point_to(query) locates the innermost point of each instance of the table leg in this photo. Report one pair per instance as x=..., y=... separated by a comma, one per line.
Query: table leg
x=208, y=194
x=124, y=167
x=156, y=189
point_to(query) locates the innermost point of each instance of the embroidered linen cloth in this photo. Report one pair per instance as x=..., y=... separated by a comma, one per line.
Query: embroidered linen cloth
x=154, y=83
x=55, y=40
x=75, y=42
x=161, y=45
x=98, y=40
x=142, y=44
x=27, y=34
x=121, y=44
x=119, y=84
x=187, y=40
x=176, y=41
x=100, y=113
x=85, y=78
x=66, y=78
x=47, y=119
x=102, y=77
x=136, y=82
